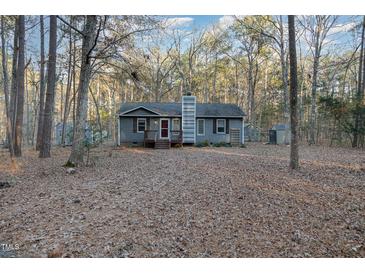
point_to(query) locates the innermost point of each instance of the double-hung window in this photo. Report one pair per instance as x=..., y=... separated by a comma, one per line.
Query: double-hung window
x=221, y=126
x=141, y=125
x=201, y=127
x=176, y=126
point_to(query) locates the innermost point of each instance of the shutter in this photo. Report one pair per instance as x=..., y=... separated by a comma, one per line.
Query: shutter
x=148, y=122
x=134, y=124
x=180, y=124
x=214, y=126
x=227, y=126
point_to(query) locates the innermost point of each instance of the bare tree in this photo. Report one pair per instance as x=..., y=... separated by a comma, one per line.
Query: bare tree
x=45, y=150
x=360, y=88
x=251, y=44
x=317, y=27
x=9, y=128
x=20, y=90
x=68, y=89
x=277, y=35
x=294, y=157
x=90, y=35
x=14, y=92
x=161, y=66
x=42, y=88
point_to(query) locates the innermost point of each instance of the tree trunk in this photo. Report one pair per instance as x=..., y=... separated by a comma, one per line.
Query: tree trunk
x=13, y=95
x=284, y=71
x=9, y=128
x=68, y=91
x=360, y=87
x=27, y=107
x=98, y=119
x=251, y=93
x=45, y=149
x=294, y=156
x=35, y=111
x=88, y=44
x=313, y=112
x=312, y=124
x=206, y=80
x=42, y=89
x=214, y=99
x=20, y=90
x=74, y=91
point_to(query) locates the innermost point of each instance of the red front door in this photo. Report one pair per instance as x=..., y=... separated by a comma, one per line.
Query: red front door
x=164, y=131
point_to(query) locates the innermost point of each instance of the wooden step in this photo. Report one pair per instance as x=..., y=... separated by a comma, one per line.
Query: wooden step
x=162, y=144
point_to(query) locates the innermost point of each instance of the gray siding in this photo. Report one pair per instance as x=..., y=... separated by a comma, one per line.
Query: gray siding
x=126, y=131
x=128, y=136
x=215, y=137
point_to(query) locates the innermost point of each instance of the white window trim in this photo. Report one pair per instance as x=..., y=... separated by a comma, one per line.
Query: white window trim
x=136, y=108
x=197, y=132
x=168, y=128
x=145, y=124
x=175, y=119
x=224, y=120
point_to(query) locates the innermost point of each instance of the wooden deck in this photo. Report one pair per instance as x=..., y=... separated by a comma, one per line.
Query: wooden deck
x=151, y=138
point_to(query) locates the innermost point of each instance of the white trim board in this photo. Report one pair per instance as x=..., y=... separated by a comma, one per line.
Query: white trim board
x=145, y=124
x=168, y=128
x=225, y=126
x=118, y=134
x=197, y=127
x=133, y=109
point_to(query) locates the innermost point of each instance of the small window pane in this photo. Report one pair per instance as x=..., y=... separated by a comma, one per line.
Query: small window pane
x=141, y=125
x=176, y=124
x=200, y=127
x=221, y=126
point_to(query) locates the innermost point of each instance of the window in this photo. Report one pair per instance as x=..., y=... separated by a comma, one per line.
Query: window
x=141, y=125
x=221, y=126
x=201, y=126
x=176, y=126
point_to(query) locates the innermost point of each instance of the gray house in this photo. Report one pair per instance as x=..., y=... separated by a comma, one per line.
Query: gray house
x=188, y=122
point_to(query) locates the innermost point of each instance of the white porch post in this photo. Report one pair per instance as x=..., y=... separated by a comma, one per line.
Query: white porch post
x=118, y=133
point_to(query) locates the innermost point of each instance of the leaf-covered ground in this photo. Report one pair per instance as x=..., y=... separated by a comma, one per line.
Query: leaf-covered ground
x=190, y=202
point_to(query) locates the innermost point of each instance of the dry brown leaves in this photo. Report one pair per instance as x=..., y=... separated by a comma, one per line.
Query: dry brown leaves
x=190, y=202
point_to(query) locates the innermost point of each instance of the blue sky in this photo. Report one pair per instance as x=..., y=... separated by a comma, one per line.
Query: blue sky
x=189, y=22
x=200, y=21
x=341, y=38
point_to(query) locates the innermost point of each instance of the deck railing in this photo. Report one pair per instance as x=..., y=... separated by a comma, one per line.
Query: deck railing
x=152, y=135
x=176, y=136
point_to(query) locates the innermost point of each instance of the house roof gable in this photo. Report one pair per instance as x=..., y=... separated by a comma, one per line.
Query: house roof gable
x=138, y=110
x=174, y=109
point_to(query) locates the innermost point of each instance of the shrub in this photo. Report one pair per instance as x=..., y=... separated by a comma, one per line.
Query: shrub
x=202, y=144
x=69, y=164
x=206, y=143
x=222, y=144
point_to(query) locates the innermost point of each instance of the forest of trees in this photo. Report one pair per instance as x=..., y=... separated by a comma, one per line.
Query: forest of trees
x=79, y=69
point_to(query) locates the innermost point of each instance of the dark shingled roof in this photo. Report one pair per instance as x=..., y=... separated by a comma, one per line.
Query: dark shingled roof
x=174, y=109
